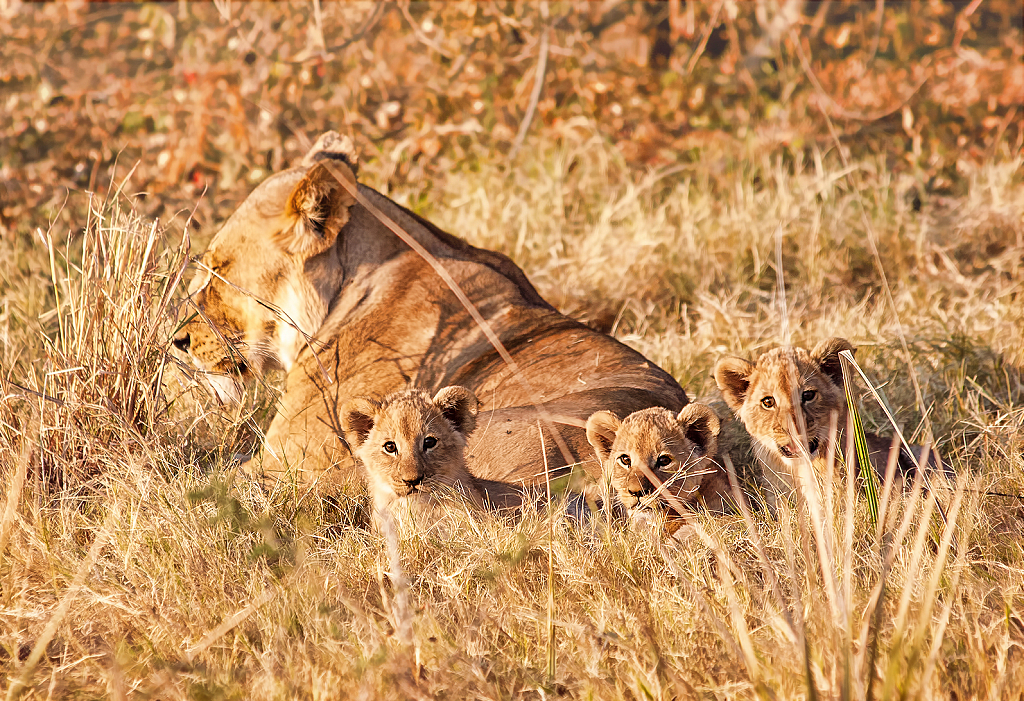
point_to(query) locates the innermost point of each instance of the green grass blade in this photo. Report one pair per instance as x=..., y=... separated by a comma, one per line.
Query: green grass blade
x=867, y=473
x=849, y=362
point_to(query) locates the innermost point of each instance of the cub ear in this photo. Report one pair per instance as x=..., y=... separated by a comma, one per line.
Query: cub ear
x=319, y=206
x=732, y=375
x=460, y=406
x=826, y=355
x=601, y=429
x=700, y=424
x=357, y=418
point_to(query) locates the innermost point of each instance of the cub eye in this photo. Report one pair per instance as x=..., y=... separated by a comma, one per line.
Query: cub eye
x=768, y=402
x=808, y=395
x=390, y=448
x=429, y=442
x=624, y=460
x=663, y=460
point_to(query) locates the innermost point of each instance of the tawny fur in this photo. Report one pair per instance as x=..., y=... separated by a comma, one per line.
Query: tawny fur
x=412, y=447
x=661, y=460
x=305, y=278
x=791, y=390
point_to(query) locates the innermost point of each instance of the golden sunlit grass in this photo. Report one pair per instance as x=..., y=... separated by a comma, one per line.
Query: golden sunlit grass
x=133, y=563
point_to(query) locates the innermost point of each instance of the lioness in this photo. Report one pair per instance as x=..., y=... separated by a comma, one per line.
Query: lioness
x=308, y=276
x=767, y=396
x=413, y=447
x=662, y=460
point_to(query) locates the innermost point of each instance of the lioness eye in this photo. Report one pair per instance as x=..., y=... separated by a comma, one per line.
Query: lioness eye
x=663, y=460
x=624, y=460
x=429, y=442
x=808, y=395
x=768, y=402
x=390, y=448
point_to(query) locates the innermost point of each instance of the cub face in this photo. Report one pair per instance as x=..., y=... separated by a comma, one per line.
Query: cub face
x=411, y=444
x=655, y=456
x=783, y=387
x=266, y=280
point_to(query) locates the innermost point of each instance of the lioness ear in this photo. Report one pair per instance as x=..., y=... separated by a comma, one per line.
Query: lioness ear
x=826, y=355
x=700, y=424
x=460, y=406
x=357, y=417
x=732, y=375
x=334, y=146
x=319, y=206
x=601, y=429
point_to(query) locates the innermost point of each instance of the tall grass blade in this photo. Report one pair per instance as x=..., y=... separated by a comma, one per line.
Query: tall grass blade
x=860, y=442
x=400, y=609
x=551, y=560
x=745, y=644
x=762, y=557
x=848, y=361
x=15, y=488
x=229, y=623
x=19, y=685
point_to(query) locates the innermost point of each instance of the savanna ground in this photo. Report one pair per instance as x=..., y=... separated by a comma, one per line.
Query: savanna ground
x=700, y=179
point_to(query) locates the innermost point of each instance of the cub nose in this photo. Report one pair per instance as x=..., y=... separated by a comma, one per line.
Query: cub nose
x=182, y=341
x=413, y=481
x=639, y=486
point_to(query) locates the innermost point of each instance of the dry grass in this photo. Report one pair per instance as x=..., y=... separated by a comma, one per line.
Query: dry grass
x=159, y=576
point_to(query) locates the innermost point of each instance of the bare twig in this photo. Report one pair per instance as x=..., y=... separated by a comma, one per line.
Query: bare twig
x=538, y=85
x=325, y=53
x=26, y=390
x=705, y=35
x=962, y=25
x=819, y=17
x=835, y=107
x=879, y=16
x=424, y=39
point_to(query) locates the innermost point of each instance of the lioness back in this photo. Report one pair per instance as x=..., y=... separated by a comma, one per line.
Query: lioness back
x=791, y=392
x=661, y=460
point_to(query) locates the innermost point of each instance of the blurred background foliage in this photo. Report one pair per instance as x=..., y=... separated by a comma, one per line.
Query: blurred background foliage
x=197, y=102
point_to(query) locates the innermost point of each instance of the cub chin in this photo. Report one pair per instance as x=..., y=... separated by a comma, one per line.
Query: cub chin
x=662, y=462
x=413, y=447
x=784, y=386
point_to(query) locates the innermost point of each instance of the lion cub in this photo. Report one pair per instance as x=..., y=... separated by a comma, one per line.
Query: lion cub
x=413, y=449
x=768, y=394
x=661, y=461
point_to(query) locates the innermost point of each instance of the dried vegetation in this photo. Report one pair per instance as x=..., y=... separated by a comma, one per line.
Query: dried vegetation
x=714, y=214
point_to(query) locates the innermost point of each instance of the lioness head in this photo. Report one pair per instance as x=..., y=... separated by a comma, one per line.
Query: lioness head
x=768, y=395
x=264, y=284
x=654, y=453
x=409, y=443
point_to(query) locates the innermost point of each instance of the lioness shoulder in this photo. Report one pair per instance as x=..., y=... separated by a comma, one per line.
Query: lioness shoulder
x=660, y=460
